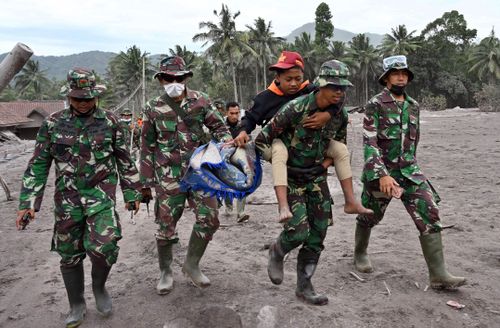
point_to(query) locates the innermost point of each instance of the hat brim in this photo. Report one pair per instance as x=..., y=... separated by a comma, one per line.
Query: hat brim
x=386, y=73
x=173, y=73
x=81, y=93
x=321, y=81
x=284, y=66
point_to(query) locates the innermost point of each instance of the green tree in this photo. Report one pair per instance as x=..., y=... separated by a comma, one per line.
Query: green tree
x=264, y=43
x=225, y=39
x=337, y=49
x=485, y=59
x=305, y=47
x=451, y=27
x=188, y=56
x=31, y=82
x=125, y=74
x=363, y=59
x=323, y=27
x=399, y=42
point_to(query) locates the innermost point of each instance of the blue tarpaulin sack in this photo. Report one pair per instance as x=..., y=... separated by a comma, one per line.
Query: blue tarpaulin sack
x=222, y=171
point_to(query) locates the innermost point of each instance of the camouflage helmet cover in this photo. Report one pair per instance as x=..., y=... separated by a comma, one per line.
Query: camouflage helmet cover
x=173, y=65
x=394, y=63
x=333, y=72
x=81, y=84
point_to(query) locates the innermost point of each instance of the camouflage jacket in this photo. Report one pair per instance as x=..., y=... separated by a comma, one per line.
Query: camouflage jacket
x=391, y=131
x=306, y=147
x=88, y=154
x=168, y=141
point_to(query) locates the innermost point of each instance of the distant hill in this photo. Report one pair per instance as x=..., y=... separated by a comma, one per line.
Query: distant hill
x=338, y=34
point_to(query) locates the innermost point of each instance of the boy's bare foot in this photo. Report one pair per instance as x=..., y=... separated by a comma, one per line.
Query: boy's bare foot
x=356, y=208
x=285, y=214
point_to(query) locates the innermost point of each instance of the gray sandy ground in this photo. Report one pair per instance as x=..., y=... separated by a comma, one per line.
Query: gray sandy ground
x=459, y=152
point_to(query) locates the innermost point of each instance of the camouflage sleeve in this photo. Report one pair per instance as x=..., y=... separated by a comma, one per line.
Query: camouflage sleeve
x=129, y=176
x=288, y=116
x=341, y=133
x=374, y=167
x=35, y=176
x=215, y=123
x=148, y=146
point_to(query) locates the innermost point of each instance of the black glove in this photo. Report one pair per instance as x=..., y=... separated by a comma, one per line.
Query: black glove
x=147, y=196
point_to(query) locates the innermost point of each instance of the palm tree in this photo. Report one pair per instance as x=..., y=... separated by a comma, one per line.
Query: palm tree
x=264, y=43
x=188, y=56
x=485, y=59
x=31, y=81
x=399, y=42
x=225, y=39
x=363, y=58
x=125, y=73
x=306, y=48
x=337, y=49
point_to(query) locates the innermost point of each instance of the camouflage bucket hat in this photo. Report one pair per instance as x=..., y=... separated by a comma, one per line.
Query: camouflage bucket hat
x=173, y=65
x=81, y=84
x=333, y=72
x=394, y=63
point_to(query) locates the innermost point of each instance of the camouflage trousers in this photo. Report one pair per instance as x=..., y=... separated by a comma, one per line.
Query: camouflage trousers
x=311, y=206
x=420, y=200
x=170, y=205
x=77, y=234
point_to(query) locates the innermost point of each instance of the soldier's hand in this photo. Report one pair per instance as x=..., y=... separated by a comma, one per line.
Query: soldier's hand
x=388, y=185
x=147, y=196
x=242, y=139
x=316, y=120
x=20, y=215
x=129, y=205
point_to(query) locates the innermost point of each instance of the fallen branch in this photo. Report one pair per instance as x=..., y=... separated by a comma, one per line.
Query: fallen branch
x=356, y=276
x=387, y=288
x=6, y=189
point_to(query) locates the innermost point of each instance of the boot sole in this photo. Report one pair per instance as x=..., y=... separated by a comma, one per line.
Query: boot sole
x=441, y=286
x=304, y=299
x=77, y=323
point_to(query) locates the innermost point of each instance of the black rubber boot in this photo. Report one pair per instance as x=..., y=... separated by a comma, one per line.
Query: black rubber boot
x=275, y=262
x=103, y=302
x=361, y=240
x=191, y=268
x=166, y=281
x=432, y=247
x=306, y=266
x=74, y=282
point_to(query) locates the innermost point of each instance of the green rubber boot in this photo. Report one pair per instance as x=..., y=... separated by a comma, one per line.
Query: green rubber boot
x=275, y=262
x=103, y=301
x=432, y=247
x=361, y=240
x=191, y=268
x=306, y=266
x=74, y=282
x=166, y=281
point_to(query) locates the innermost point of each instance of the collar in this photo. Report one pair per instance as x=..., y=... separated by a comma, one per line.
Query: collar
x=98, y=113
x=276, y=90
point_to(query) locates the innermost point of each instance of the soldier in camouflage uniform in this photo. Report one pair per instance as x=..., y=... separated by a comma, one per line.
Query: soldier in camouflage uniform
x=308, y=193
x=391, y=135
x=130, y=127
x=172, y=129
x=88, y=147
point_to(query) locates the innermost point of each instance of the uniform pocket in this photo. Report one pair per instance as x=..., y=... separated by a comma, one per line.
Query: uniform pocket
x=102, y=147
x=413, y=127
x=61, y=149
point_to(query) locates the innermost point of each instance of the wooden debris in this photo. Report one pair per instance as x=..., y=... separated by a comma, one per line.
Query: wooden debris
x=426, y=287
x=356, y=276
x=387, y=288
x=417, y=285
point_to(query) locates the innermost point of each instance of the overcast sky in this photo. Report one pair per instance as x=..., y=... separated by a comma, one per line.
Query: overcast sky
x=55, y=27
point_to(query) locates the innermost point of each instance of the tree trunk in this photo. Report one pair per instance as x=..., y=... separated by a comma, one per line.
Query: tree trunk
x=233, y=71
x=257, y=80
x=264, y=72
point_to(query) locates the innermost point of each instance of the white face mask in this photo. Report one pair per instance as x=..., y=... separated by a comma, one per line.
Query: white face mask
x=174, y=89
